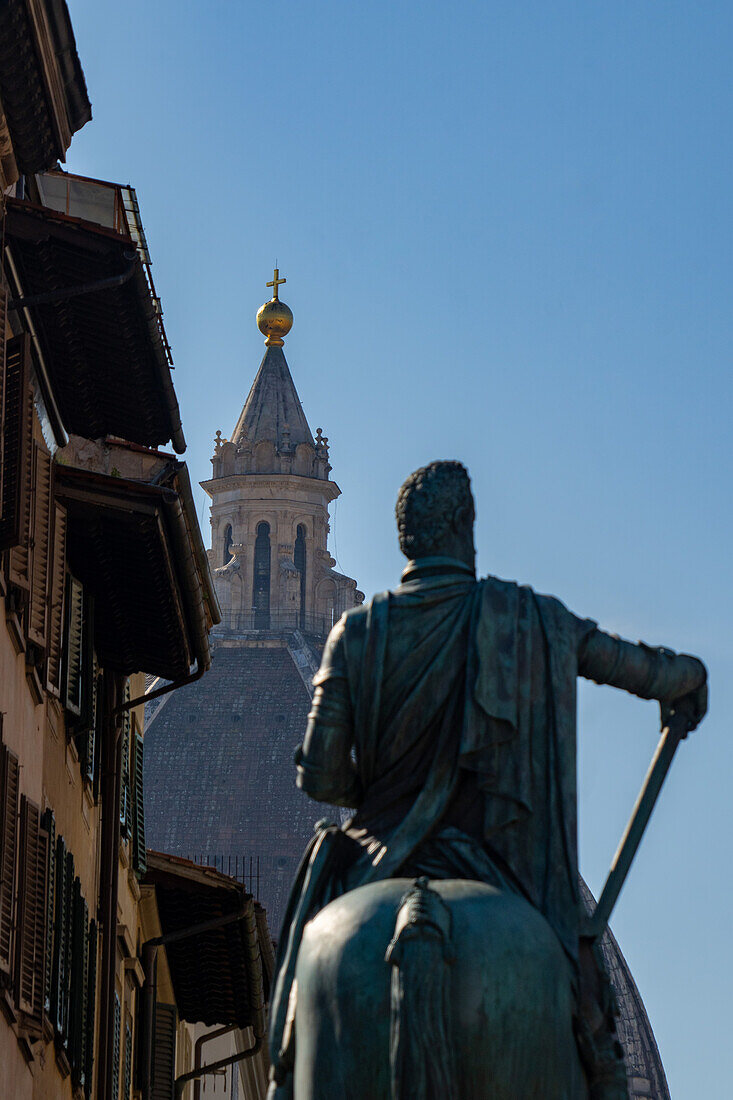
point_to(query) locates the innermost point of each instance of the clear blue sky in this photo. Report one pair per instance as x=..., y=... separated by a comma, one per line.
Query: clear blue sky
x=506, y=230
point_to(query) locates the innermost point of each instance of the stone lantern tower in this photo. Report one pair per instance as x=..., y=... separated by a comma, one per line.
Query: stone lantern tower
x=270, y=490
x=219, y=773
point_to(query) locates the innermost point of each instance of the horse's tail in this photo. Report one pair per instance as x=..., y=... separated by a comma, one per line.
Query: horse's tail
x=420, y=952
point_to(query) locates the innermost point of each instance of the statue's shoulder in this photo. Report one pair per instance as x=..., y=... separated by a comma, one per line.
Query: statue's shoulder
x=511, y=598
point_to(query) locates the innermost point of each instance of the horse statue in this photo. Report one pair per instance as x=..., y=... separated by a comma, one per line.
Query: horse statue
x=444, y=990
x=434, y=947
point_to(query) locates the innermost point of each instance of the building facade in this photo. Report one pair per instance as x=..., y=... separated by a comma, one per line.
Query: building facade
x=103, y=581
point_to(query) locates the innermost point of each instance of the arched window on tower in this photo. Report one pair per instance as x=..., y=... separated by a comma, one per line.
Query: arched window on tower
x=299, y=561
x=228, y=555
x=261, y=591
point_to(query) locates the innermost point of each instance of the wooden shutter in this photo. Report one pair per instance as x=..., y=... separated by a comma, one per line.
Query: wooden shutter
x=116, y=1022
x=125, y=784
x=56, y=600
x=164, y=1052
x=127, y=1072
x=62, y=940
x=48, y=824
x=68, y=946
x=88, y=741
x=40, y=546
x=3, y=322
x=73, y=646
x=57, y=1001
x=78, y=986
x=139, y=859
x=9, y=777
x=90, y=1021
x=17, y=431
x=30, y=946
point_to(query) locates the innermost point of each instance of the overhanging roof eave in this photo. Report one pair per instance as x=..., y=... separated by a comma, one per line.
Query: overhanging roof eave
x=125, y=504
x=232, y=952
x=96, y=253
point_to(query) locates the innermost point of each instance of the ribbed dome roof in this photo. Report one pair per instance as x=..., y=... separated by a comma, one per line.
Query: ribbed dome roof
x=643, y=1064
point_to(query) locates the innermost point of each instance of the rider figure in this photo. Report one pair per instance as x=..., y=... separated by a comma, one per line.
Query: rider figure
x=445, y=714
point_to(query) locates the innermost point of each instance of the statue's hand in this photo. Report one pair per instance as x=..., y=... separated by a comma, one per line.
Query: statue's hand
x=693, y=706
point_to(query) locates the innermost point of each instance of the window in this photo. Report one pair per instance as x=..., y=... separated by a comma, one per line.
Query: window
x=261, y=591
x=228, y=555
x=139, y=862
x=9, y=783
x=299, y=560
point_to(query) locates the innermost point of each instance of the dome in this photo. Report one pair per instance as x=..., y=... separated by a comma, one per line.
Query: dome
x=644, y=1068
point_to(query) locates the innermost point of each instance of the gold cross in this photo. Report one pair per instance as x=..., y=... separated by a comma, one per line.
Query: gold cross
x=276, y=282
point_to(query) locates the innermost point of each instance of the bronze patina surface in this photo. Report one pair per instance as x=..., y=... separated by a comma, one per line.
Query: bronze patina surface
x=445, y=714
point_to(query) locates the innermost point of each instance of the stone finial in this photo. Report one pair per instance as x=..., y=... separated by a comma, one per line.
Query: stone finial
x=218, y=441
x=321, y=444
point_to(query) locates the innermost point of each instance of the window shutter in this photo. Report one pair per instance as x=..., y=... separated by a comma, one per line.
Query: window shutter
x=73, y=646
x=89, y=1022
x=139, y=859
x=125, y=784
x=17, y=441
x=62, y=940
x=127, y=1073
x=40, y=547
x=56, y=601
x=68, y=946
x=116, y=1050
x=8, y=835
x=49, y=826
x=164, y=1052
x=57, y=980
x=88, y=745
x=30, y=914
x=3, y=322
x=78, y=986
x=94, y=772
x=87, y=663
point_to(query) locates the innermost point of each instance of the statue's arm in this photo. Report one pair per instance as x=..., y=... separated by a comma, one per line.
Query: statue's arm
x=647, y=671
x=325, y=762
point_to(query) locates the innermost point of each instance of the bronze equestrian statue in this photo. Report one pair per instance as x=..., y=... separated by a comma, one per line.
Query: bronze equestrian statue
x=434, y=944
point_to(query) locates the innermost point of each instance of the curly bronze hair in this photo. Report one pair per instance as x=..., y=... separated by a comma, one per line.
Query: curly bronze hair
x=427, y=504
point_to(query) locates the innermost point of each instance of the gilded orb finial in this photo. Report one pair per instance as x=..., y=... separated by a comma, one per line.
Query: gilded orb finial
x=274, y=318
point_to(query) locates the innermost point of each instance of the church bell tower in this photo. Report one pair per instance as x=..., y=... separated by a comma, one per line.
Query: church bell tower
x=270, y=491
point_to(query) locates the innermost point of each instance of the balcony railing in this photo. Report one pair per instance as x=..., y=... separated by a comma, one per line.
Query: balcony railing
x=254, y=619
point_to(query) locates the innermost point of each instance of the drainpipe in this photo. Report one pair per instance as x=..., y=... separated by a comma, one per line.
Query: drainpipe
x=212, y=1067
x=109, y=879
x=50, y=296
x=173, y=686
x=149, y=958
x=148, y=954
x=199, y=1046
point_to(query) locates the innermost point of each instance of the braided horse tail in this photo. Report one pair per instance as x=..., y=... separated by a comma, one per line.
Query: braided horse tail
x=421, y=1048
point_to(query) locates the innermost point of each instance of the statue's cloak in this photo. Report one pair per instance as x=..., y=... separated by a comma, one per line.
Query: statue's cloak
x=448, y=674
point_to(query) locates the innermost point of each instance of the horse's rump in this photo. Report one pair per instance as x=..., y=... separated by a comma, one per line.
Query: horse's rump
x=509, y=1001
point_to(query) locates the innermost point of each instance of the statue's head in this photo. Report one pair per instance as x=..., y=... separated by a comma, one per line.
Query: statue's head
x=435, y=513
